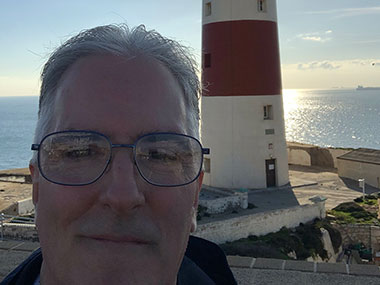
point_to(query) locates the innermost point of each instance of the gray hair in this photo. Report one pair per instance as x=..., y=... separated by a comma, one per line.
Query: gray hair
x=119, y=40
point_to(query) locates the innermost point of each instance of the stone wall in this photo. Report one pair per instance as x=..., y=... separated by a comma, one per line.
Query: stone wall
x=19, y=231
x=220, y=201
x=260, y=223
x=366, y=234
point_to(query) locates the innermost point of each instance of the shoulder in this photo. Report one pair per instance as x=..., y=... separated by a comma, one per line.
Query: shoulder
x=26, y=272
x=209, y=257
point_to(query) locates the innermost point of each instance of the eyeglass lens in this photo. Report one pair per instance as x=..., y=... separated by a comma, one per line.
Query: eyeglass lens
x=74, y=158
x=77, y=158
x=168, y=159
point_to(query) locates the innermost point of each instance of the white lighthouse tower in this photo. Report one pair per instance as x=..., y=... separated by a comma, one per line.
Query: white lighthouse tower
x=242, y=109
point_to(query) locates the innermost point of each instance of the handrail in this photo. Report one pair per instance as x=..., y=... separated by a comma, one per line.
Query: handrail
x=24, y=220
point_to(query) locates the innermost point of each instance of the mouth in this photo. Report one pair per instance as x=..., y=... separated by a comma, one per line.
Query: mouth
x=119, y=239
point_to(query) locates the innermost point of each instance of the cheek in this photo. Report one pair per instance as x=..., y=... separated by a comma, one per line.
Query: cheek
x=58, y=206
x=173, y=209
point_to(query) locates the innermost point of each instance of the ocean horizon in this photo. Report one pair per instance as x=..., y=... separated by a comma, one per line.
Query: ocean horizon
x=344, y=118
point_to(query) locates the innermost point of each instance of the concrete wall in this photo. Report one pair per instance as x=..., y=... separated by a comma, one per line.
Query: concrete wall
x=304, y=154
x=233, y=127
x=260, y=223
x=299, y=157
x=335, y=152
x=355, y=170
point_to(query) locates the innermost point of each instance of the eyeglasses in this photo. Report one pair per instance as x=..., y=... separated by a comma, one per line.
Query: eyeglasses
x=77, y=158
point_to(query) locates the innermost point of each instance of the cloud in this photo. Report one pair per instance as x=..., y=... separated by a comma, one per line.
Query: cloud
x=314, y=39
x=348, y=12
x=318, y=65
x=326, y=73
x=316, y=36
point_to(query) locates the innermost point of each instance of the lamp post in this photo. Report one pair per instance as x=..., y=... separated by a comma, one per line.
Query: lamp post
x=362, y=185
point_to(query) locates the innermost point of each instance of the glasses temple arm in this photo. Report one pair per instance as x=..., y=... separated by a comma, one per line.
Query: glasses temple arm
x=35, y=146
x=205, y=150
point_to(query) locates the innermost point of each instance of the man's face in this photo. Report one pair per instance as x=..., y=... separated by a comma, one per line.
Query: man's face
x=120, y=229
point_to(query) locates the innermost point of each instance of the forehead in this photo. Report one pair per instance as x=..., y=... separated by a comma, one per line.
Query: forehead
x=115, y=94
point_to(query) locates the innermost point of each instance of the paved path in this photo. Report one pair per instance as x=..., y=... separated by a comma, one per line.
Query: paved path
x=12, y=253
x=247, y=276
x=307, y=182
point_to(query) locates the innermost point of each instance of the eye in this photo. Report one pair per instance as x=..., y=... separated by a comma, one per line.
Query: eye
x=160, y=155
x=92, y=151
x=78, y=153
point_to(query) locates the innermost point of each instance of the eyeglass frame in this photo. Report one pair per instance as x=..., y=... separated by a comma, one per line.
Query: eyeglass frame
x=36, y=147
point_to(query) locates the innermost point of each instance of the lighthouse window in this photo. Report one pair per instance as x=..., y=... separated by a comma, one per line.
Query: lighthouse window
x=207, y=60
x=269, y=131
x=268, y=112
x=262, y=5
x=208, y=9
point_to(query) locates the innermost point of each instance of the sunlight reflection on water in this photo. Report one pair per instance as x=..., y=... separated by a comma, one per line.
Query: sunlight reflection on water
x=339, y=118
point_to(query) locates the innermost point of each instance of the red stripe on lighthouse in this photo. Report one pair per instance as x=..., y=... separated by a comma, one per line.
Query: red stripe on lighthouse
x=243, y=56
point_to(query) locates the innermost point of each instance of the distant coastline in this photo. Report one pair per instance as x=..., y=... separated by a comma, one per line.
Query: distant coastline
x=360, y=87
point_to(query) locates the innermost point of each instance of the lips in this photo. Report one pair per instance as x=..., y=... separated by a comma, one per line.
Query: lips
x=114, y=229
x=120, y=239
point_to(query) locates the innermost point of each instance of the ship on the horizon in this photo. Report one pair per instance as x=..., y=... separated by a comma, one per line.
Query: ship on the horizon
x=360, y=87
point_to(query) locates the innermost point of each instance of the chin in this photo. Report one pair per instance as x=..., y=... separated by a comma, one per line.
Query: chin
x=123, y=275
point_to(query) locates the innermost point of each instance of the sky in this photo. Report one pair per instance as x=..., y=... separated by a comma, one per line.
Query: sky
x=323, y=44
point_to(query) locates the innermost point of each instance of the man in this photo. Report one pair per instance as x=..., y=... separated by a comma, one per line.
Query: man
x=117, y=165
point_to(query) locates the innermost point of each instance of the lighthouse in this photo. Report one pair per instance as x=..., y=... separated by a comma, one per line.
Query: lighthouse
x=241, y=105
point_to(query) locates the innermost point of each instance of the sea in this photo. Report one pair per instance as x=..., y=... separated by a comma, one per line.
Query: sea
x=18, y=117
x=345, y=118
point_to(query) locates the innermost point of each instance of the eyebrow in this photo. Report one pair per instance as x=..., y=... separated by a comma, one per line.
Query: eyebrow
x=133, y=138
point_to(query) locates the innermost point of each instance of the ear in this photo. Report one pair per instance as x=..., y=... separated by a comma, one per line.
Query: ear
x=35, y=180
x=195, y=203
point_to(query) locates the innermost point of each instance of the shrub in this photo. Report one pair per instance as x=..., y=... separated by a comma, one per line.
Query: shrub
x=348, y=207
x=370, y=197
x=305, y=241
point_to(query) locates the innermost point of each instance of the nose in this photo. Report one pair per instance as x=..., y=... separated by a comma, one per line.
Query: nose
x=121, y=192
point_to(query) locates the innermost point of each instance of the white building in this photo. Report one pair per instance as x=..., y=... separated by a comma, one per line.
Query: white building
x=242, y=110
x=361, y=163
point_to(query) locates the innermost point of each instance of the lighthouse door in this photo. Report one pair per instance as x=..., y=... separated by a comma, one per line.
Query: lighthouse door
x=270, y=168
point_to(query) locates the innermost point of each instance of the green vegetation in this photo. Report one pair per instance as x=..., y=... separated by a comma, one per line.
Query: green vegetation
x=304, y=241
x=357, y=212
x=370, y=200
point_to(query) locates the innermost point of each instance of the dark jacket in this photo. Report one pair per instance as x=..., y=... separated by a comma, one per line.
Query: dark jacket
x=204, y=264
